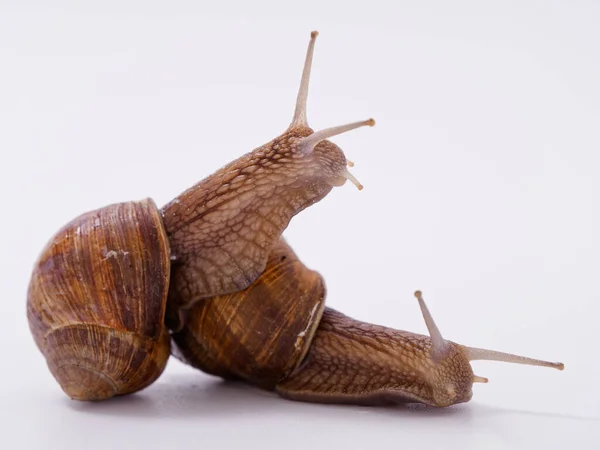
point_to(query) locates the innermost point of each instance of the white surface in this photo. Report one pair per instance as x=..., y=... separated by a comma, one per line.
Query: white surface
x=481, y=189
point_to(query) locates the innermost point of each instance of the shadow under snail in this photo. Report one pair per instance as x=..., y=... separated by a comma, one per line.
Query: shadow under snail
x=210, y=279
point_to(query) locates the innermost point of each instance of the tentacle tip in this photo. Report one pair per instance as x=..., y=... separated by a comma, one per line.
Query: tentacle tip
x=352, y=179
x=560, y=366
x=314, y=34
x=478, y=379
x=419, y=294
x=370, y=122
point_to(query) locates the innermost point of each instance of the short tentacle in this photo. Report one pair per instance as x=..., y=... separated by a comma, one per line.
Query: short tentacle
x=439, y=346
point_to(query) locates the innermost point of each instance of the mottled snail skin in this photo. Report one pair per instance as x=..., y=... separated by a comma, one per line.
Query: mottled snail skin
x=261, y=333
x=359, y=363
x=364, y=364
x=222, y=245
x=223, y=229
x=96, y=301
x=276, y=334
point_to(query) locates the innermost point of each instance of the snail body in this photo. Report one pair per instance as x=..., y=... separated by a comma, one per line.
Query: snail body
x=223, y=229
x=209, y=278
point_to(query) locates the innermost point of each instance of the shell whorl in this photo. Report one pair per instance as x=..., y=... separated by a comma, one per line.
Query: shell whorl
x=259, y=334
x=96, y=301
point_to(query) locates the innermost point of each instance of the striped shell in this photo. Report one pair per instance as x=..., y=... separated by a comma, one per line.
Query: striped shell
x=96, y=301
x=260, y=334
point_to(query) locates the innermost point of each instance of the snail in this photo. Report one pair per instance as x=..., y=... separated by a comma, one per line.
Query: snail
x=110, y=283
x=279, y=335
x=210, y=279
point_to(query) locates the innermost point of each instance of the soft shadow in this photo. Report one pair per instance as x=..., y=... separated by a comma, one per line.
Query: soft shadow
x=185, y=396
x=417, y=409
x=193, y=396
x=495, y=410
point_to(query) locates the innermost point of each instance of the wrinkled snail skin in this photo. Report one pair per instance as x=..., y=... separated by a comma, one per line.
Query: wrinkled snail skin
x=353, y=362
x=97, y=299
x=222, y=243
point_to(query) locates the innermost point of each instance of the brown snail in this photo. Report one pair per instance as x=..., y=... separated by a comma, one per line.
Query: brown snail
x=106, y=283
x=212, y=267
x=279, y=335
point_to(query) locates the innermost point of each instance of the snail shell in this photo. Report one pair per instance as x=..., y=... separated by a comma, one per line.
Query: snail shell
x=262, y=333
x=96, y=301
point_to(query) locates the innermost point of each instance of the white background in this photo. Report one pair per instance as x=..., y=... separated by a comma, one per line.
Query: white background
x=481, y=189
